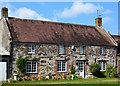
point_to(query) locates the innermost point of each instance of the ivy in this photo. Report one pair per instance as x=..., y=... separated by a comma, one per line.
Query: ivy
x=21, y=64
x=72, y=69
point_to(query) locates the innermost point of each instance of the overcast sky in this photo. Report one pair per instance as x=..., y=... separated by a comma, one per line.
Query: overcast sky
x=70, y=12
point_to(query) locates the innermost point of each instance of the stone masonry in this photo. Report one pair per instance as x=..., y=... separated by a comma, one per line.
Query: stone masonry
x=47, y=55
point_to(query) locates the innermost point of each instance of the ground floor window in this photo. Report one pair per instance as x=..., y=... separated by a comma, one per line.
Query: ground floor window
x=62, y=66
x=31, y=67
x=102, y=65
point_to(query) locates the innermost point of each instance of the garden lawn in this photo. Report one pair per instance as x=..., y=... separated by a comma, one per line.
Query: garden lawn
x=83, y=82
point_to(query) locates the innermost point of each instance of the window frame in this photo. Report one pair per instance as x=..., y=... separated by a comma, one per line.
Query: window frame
x=31, y=46
x=61, y=66
x=102, y=51
x=83, y=50
x=102, y=65
x=31, y=64
x=60, y=50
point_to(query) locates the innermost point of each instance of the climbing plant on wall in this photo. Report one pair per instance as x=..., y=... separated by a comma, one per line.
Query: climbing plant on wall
x=21, y=64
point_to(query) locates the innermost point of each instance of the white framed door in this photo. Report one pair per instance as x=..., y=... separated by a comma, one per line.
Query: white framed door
x=81, y=68
x=3, y=71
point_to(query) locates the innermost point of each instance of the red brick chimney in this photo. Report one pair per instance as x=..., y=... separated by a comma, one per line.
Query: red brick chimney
x=98, y=22
x=4, y=12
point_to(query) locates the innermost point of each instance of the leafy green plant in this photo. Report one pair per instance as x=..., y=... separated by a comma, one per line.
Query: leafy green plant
x=110, y=71
x=34, y=58
x=72, y=69
x=21, y=64
x=95, y=69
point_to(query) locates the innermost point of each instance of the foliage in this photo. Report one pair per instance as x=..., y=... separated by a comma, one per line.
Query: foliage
x=95, y=69
x=110, y=71
x=72, y=69
x=21, y=64
x=34, y=58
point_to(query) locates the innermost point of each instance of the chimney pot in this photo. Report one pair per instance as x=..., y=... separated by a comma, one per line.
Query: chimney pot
x=98, y=22
x=4, y=12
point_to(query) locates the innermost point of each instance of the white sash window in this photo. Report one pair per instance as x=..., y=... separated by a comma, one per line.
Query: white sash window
x=102, y=51
x=31, y=67
x=31, y=49
x=61, y=49
x=62, y=66
x=102, y=65
x=82, y=50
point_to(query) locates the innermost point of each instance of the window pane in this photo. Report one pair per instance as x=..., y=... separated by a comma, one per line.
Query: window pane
x=100, y=65
x=31, y=67
x=81, y=50
x=104, y=65
x=61, y=49
x=31, y=48
x=84, y=48
x=61, y=66
x=102, y=50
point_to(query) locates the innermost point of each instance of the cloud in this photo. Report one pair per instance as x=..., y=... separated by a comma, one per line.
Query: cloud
x=27, y=14
x=22, y=12
x=107, y=11
x=106, y=19
x=79, y=8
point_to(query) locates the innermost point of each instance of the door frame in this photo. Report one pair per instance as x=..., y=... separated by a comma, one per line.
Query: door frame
x=83, y=66
x=5, y=58
x=5, y=70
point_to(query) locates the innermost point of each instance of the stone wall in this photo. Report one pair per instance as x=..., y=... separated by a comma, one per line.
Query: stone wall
x=48, y=54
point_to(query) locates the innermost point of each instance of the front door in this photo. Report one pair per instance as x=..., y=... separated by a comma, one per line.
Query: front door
x=2, y=71
x=81, y=68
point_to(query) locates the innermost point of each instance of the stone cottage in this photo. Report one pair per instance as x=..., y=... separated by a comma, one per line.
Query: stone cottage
x=117, y=39
x=54, y=45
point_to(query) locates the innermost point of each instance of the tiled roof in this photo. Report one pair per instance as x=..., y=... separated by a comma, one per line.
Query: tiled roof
x=47, y=32
x=116, y=38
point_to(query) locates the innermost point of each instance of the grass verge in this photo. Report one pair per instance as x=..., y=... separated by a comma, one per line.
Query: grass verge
x=77, y=82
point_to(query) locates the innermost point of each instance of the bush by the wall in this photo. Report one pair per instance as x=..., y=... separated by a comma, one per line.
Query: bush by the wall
x=110, y=71
x=95, y=69
x=21, y=64
x=72, y=69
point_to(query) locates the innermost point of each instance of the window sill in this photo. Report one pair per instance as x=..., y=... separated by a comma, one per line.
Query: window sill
x=103, y=54
x=62, y=54
x=30, y=53
x=103, y=70
x=62, y=71
x=82, y=54
x=31, y=73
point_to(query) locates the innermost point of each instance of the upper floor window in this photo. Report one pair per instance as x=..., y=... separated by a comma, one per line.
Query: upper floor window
x=82, y=49
x=31, y=67
x=102, y=65
x=61, y=49
x=102, y=50
x=62, y=66
x=31, y=49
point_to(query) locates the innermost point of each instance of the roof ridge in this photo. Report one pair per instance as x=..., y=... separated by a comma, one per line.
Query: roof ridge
x=116, y=35
x=106, y=35
x=66, y=23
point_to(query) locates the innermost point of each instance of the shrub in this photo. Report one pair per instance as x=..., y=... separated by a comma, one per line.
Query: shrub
x=95, y=69
x=21, y=64
x=72, y=69
x=110, y=71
